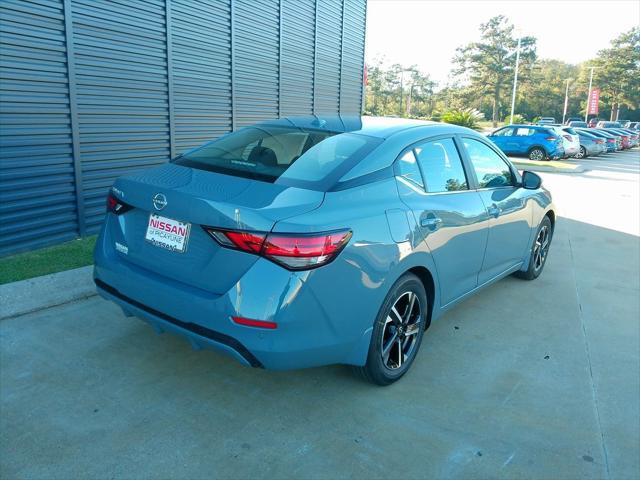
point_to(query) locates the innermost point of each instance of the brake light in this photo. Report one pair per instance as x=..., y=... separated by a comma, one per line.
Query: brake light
x=246, y=241
x=599, y=142
x=567, y=137
x=552, y=139
x=611, y=140
x=292, y=251
x=114, y=205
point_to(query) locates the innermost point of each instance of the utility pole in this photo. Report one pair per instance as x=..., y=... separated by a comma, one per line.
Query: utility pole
x=586, y=113
x=515, y=78
x=401, y=90
x=566, y=99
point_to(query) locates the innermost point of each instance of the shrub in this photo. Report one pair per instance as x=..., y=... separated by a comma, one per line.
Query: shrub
x=517, y=118
x=467, y=117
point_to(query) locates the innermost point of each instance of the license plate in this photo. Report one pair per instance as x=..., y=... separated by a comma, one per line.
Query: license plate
x=168, y=233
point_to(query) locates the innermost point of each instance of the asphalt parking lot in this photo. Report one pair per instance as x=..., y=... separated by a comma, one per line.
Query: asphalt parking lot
x=526, y=380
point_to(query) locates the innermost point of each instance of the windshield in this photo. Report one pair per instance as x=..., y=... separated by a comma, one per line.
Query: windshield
x=286, y=155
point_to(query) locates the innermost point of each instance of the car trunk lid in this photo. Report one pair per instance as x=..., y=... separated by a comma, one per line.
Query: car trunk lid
x=197, y=199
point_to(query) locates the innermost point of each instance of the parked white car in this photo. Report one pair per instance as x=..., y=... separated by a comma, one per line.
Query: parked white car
x=570, y=140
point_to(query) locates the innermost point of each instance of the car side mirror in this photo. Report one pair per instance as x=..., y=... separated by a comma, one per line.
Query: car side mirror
x=531, y=181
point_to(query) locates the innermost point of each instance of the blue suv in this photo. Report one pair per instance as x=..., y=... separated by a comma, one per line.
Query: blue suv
x=534, y=141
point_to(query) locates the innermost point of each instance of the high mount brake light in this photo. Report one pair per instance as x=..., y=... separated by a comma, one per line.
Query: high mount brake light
x=114, y=205
x=292, y=251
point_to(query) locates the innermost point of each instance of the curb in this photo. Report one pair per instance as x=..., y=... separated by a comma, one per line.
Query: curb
x=33, y=294
x=550, y=168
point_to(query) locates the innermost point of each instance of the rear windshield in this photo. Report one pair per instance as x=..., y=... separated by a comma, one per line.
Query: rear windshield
x=283, y=155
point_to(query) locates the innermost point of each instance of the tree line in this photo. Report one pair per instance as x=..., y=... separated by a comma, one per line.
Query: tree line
x=482, y=79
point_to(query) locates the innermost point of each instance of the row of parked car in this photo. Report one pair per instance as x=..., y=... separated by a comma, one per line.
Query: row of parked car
x=551, y=141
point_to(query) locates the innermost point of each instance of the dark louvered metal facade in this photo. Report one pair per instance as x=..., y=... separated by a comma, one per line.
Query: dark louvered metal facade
x=94, y=89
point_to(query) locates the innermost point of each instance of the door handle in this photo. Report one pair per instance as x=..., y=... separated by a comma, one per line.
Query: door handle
x=493, y=210
x=430, y=222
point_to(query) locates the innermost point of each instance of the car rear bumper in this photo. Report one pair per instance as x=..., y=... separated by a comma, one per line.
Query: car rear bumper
x=570, y=151
x=305, y=335
x=557, y=153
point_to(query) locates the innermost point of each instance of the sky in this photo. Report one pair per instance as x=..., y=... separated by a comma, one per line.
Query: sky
x=427, y=32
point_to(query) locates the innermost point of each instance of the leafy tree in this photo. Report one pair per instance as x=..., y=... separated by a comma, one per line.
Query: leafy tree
x=483, y=79
x=489, y=64
x=619, y=71
x=398, y=91
x=544, y=94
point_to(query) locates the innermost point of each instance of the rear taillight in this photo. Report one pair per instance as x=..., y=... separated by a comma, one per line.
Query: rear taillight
x=552, y=139
x=599, y=142
x=611, y=140
x=114, y=205
x=292, y=251
x=567, y=137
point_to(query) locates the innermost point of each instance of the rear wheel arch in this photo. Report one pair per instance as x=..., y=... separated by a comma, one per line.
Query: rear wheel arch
x=426, y=278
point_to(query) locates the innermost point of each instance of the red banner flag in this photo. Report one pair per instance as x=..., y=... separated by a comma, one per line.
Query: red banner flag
x=593, y=101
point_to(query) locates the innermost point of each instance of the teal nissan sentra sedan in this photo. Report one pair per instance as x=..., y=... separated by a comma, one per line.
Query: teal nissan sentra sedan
x=311, y=241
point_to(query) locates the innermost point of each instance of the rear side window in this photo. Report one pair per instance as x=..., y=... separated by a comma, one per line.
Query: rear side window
x=524, y=131
x=289, y=155
x=570, y=131
x=408, y=169
x=491, y=170
x=441, y=166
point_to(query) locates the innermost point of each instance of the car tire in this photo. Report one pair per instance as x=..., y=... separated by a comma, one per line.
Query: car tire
x=582, y=153
x=537, y=154
x=539, y=251
x=397, y=332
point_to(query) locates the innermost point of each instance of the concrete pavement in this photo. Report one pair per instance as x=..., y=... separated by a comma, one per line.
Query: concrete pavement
x=525, y=380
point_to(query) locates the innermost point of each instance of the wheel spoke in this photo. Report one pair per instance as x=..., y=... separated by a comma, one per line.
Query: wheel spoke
x=395, y=316
x=400, y=352
x=407, y=314
x=386, y=349
x=412, y=329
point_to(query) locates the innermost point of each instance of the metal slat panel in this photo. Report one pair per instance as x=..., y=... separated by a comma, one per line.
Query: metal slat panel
x=353, y=57
x=109, y=100
x=328, y=56
x=201, y=70
x=120, y=61
x=296, y=91
x=256, y=69
x=37, y=188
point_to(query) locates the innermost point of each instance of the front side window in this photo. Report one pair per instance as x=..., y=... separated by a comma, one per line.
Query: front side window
x=491, y=170
x=441, y=166
x=503, y=132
